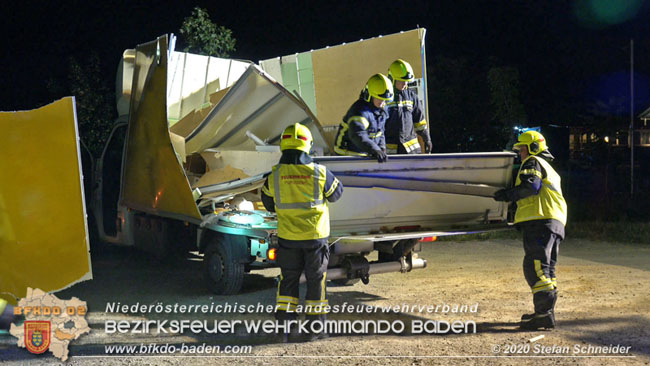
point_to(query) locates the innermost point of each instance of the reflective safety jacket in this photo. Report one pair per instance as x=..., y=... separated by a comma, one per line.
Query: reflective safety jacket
x=300, y=193
x=362, y=130
x=405, y=119
x=548, y=203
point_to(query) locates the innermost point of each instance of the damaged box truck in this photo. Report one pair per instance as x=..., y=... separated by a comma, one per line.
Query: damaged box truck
x=184, y=164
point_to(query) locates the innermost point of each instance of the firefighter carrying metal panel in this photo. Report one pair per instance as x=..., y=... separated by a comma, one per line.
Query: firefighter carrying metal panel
x=541, y=214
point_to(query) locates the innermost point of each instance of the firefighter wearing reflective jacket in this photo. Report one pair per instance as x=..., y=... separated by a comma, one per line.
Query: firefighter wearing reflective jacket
x=406, y=119
x=299, y=190
x=362, y=131
x=541, y=214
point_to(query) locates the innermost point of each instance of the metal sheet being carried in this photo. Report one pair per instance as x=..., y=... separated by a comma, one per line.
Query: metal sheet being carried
x=43, y=230
x=423, y=192
x=153, y=180
x=434, y=191
x=258, y=104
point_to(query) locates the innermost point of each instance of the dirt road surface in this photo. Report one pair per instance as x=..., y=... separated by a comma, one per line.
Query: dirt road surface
x=604, y=306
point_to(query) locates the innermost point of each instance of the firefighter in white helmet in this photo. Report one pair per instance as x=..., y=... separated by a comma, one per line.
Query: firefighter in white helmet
x=541, y=214
x=298, y=190
x=406, y=119
x=362, y=131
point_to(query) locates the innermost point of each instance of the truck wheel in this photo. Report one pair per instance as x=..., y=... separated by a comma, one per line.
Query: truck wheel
x=346, y=281
x=223, y=273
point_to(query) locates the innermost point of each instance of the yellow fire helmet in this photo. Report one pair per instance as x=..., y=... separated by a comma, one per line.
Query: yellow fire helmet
x=378, y=86
x=297, y=137
x=534, y=140
x=401, y=70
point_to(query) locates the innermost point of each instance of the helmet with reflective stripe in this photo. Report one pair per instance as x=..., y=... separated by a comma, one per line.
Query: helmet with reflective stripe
x=401, y=70
x=297, y=137
x=378, y=86
x=533, y=140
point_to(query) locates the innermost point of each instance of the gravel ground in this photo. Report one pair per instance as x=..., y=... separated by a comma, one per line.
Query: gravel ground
x=603, y=301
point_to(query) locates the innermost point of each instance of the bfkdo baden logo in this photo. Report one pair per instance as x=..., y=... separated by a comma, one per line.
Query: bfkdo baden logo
x=50, y=323
x=37, y=335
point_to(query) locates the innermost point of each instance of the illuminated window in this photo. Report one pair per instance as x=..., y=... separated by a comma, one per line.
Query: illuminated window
x=645, y=138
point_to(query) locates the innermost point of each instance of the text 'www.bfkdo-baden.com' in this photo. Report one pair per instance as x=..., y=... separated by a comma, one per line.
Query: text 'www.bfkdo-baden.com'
x=168, y=349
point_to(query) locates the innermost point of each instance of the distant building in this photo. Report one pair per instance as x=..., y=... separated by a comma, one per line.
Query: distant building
x=581, y=136
x=644, y=129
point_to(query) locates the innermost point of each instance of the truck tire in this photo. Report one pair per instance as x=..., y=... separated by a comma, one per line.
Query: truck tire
x=223, y=274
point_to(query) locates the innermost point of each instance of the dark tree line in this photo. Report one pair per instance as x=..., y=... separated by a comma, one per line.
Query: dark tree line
x=473, y=107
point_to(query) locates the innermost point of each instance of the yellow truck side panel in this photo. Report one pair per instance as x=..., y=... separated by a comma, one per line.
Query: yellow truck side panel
x=43, y=235
x=153, y=181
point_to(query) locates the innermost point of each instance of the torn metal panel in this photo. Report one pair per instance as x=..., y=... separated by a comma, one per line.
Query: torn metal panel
x=250, y=162
x=431, y=191
x=193, y=78
x=381, y=209
x=434, y=191
x=178, y=142
x=153, y=180
x=296, y=73
x=123, y=82
x=474, y=174
x=43, y=229
x=258, y=104
x=188, y=123
x=221, y=175
x=228, y=190
x=227, y=169
x=416, y=234
x=346, y=69
x=330, y=79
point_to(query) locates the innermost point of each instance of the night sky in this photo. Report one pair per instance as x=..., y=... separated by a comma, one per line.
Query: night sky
x=567, y=53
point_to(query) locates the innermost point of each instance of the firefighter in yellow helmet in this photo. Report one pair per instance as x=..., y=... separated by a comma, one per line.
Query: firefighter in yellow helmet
x=406, y=118
x=541, y=214
x=362, y=131
x=298, y=190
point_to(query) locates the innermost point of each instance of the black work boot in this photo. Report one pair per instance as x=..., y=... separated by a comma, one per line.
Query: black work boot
x=544, y=303
x=538, y=321
x=311, y=336
x=553, y=300
x=527, y=317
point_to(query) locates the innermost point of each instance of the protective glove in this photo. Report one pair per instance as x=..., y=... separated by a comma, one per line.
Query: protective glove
x=500, y=195
x=428, y=146
x=381, y=156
